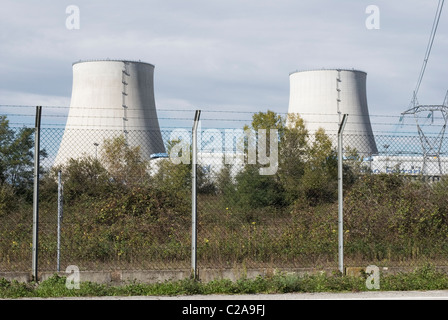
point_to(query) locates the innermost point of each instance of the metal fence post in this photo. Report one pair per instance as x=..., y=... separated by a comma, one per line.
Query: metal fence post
x=36, y=192
x=194, y=271
x=340, y=196
x=59, y=220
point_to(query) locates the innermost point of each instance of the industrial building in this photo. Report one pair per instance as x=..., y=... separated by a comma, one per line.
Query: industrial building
x=320, y=97
x=111, y=98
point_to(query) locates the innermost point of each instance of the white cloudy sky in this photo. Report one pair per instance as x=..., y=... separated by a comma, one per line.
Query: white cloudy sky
x=224, y=55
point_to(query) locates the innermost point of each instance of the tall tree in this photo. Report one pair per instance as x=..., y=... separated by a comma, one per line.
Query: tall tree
x=16, y=156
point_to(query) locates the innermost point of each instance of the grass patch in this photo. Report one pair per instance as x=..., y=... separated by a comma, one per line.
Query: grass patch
x=425, y=278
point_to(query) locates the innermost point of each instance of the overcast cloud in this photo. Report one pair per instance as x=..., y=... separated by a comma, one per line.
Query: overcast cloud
x=224, y=55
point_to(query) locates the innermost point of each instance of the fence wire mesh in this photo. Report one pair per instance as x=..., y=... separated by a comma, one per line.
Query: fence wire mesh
x=263, y=202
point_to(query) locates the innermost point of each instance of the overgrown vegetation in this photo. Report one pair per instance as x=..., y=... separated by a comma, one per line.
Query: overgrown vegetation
x=121, y=211
x=425, y=278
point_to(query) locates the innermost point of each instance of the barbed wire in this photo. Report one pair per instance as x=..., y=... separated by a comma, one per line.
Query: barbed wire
x=206, y=110
x=392, y=124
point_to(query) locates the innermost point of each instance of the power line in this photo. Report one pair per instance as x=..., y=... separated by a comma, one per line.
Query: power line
x=428, y=50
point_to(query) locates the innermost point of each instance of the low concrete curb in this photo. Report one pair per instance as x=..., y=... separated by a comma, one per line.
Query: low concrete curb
x=154, y=276
x=117, y=277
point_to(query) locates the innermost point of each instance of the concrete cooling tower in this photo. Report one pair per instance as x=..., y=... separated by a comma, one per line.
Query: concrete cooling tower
x=111, y=98
x=318, y=95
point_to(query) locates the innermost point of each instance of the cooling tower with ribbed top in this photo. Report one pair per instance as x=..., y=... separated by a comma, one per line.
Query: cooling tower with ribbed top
x=321, y=97
x=111, y=98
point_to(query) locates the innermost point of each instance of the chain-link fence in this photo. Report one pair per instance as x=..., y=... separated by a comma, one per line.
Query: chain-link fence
x=266, y=199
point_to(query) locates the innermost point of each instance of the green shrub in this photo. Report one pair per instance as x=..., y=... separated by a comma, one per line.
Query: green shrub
x=83, y=177
x=388, y=216
x=8, y=200
x=124, y=163
x=15, y=289
x=255, y=191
